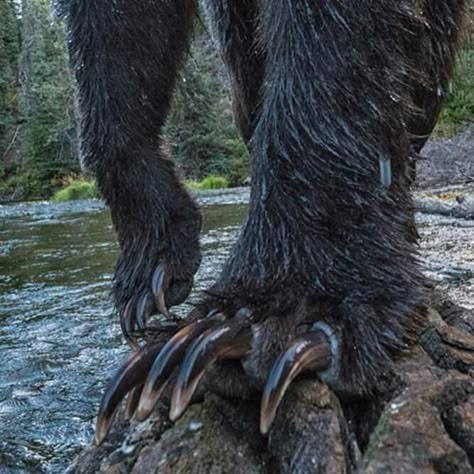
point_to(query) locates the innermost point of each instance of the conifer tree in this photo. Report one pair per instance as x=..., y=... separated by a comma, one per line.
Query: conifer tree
x=48, y=139
x=9, y=50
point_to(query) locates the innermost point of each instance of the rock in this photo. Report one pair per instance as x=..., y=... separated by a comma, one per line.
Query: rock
x=452, y=201
x=205, y=440
x=413, y=432
x=424, y=422
x=310, y=433
x=220, y=436
x=459, y=422
x=449, y=161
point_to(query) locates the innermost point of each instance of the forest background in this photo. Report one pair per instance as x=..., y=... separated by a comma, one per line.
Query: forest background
x=38, y=121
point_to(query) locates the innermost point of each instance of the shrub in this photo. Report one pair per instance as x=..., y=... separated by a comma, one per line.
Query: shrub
x=210, y=182
x=77, y=189
x=239, y=173
x=459, y=107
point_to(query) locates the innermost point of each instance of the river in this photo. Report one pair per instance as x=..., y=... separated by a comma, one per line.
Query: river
x=59, y=339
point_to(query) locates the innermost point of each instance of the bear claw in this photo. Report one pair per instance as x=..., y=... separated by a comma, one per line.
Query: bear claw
x=128, y=322
x=159, y=285
x=311, y=351
x=164, y=291
x=126, y=379
x=167, y=360
x=191, y=352
x=229, y=340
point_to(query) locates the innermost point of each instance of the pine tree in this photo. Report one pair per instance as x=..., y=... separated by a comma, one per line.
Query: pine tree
x=48, y=138
x=202, y=137
x=9, y=50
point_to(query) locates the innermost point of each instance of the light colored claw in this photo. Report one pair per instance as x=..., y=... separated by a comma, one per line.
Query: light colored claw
x=159, y=289
x=167, y=360
x=230, y=340
x=129, y=376
x=311, y=351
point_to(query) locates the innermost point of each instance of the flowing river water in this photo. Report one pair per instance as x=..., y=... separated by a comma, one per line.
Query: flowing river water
x=59, y=339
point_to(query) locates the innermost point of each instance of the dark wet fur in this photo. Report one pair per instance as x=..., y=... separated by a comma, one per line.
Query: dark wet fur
x=126, y=56
x=322, y=90
x=342, y=80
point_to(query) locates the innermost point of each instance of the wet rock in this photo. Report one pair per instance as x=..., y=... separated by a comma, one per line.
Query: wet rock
x=125, y=442
x=205, y=440
x=449, y=346
x=459, y=423
x=310, y=434
x=221, y=436
x=411, y=435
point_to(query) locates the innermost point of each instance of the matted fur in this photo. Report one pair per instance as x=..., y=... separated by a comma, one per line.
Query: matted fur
x=324, y=90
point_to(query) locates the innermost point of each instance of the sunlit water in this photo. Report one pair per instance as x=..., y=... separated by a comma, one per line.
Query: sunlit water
x=59, y=339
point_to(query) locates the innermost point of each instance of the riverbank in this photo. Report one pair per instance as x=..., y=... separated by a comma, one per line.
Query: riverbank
x=44, y=208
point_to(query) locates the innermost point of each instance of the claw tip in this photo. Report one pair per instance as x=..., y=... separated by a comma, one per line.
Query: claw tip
x=143, y=411
x=266, y=420
x=175, y=412
x=100, y=434
x=264, y=427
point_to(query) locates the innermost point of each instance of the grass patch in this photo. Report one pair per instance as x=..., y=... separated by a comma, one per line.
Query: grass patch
x=459, y=108
x=76, y=189
x=210, y=182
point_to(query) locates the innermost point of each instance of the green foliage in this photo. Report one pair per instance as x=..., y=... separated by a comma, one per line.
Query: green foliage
x=9, y=181
x=459, y=108
x=76, y=189
x=203, y=139
x=239, y=171
x=9, y=51
x=48, y=139
x=210, y=182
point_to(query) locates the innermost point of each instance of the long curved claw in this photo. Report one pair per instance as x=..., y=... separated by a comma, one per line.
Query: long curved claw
x=159, y=286
x=167, y=360
x=127, y=377
x=311, y=351
x=229, y=340
x=128, y=321
x=132, y=402
x=144, y=311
